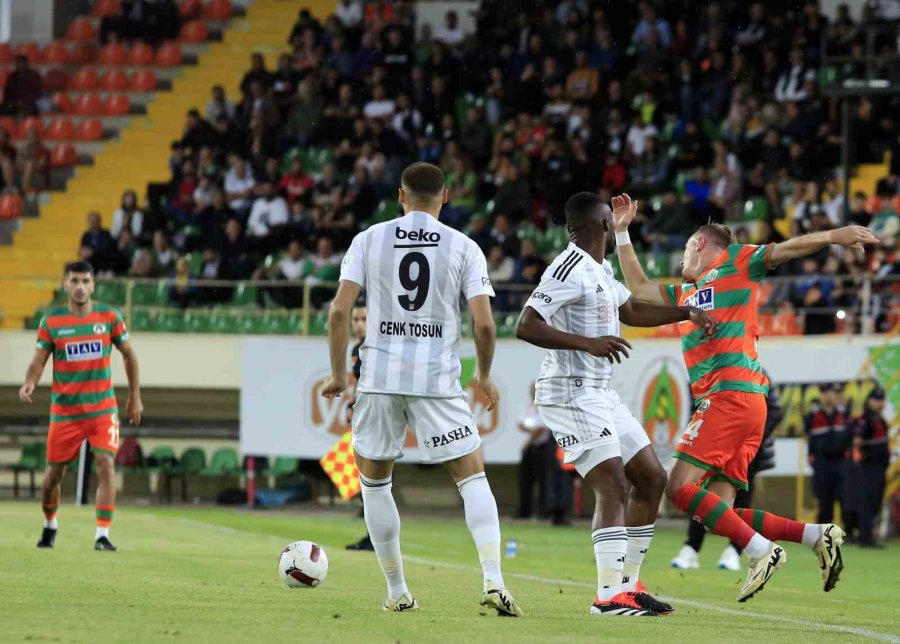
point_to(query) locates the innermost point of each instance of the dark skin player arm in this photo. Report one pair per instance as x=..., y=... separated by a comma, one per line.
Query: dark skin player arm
x=533, y=328
x=643, y=314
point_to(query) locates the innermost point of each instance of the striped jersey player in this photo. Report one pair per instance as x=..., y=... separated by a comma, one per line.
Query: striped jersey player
x=722, y=278
x=80, y=336
x=415, y=270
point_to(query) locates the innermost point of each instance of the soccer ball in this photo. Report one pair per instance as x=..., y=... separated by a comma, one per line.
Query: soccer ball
x=303, y=564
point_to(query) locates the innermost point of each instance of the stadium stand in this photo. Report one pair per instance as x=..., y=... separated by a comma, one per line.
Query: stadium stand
x=704, y=115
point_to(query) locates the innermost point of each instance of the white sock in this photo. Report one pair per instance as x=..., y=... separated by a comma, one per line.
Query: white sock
x=610, y=545
x=758, y=547
x=101, y=532
x=484, y=524
x=811, y=534
x=383, y=523
x=639, y=538
x=53, y=524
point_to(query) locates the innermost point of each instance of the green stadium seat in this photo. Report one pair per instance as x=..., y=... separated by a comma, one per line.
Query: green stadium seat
x=60, y=297
x=160, y=458
x=224, y=462
x=143, y=294
x=225, y=321
x=507, y=326
x=756, y=209
x=318, y=323
x=142, y=320
x=385, y=211
x=251, y=323
x=656, y=267
x=554, y=241
x=191, y=463
x=244, y=295
x=283, y=466
x=108, y=293
x=34, y=321
x=32, y=460
x=198, y=321
x=529, y=231
x=171, y=321
x=681, y=180
x=278, y=323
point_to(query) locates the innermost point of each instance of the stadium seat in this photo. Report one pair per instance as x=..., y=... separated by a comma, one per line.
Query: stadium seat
x=194, y=31
x=7, y=57
x=142, y=320
x=90, y=129
x=318, y=323
x=11, y=207
x=84, y=80
x=56, y=80
x=169, y=55
x=192, y=462
x=198, y=321
x=116, y=105
x=32, y=460
x=217, y=10
x=224, y=462
x=109, y=293
x=82, y=53
x=60, y=129
x=88, y=104
x=28, y=124
x=555, y=240
x=106, y=8
x=386, y=211
x=114, y=80
x=4, y=74
x=143, y=81
x=62, y=102
x=63, y=155
x=282, y=466
x=113, y=54
x=160, y=458
x=56, y=53
x=756, y=208
x=30, y=51
x=225, y=322
x=244, y=295
x=81, y=30
x=170, y=321
x=8, y=123
x=140, y=54
x=189, y=9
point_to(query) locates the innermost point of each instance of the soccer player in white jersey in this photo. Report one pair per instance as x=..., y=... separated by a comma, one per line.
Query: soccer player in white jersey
x=414, y=270
x=575, y=312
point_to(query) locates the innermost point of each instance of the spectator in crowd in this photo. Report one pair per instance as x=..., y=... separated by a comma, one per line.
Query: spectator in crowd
x=268, y=216
x=182, y=292
x=33, y=163
x=234, y=249
x=197, y=132
x=97, y=244
x=292, y=267
x=349, y=13
x=24, y=88
x=219, y=105
x=212, y=267
x=239, y=184
x=257, y=74
x=162, y=255
x=125, y=251
x=128, y=217
x=450, y=33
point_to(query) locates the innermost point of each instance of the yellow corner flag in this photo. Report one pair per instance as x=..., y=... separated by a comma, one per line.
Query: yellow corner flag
x=340, y=466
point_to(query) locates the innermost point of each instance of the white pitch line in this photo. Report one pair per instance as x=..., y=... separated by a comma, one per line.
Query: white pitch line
x=838, y=628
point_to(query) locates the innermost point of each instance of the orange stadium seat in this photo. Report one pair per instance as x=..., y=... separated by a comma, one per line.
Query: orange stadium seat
x=217, y=10
x=143, y=81
x=56, y=53
x=90, y=129
x=194, y=31
x=6, y=54
x=4, y=74
x=62, y=101
x=60, y=128
x=84, y=80
x=116, y=105
x=88, y=104
x=64, y=154
x=106, y=8
x=169, y=55
x=114, y=79
x=113, y=54
x=29, y=49
x=55, y=80
x=140, y=54
x=189, y=9
x=30, y=123
x=81, y=30
x=8, y=123
x=11, y=207
x=82, y=53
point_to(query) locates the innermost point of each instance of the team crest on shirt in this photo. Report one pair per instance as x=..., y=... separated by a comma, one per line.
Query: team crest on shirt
x=710, y=276
x=702, y=299
x=99, y=328
x=703, y=407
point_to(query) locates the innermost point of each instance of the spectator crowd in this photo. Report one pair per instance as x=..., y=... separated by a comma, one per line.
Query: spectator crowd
x=702, y=112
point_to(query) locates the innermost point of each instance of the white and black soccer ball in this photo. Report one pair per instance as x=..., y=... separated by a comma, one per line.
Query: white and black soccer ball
x=303, y=564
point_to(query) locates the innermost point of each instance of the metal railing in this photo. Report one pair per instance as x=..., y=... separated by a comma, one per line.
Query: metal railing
x=301, y=307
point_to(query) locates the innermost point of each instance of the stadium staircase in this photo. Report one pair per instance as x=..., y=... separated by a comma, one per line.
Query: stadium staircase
x=30, y=267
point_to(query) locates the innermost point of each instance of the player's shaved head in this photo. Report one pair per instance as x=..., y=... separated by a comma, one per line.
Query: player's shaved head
x=584, y=209
x=719, y=234
x=423, y=182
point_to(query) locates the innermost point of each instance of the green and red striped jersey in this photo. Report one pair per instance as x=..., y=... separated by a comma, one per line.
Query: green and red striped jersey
x=728, y=290
x=82, y=348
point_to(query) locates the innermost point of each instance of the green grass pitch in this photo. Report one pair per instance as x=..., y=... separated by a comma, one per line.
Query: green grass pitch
x=209, y=575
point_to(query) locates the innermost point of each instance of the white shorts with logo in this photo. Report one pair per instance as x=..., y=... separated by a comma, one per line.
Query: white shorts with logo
x=594, y=426
x=444, y=427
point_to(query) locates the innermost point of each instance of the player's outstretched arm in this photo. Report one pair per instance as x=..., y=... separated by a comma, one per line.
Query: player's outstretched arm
x=339, y=336
x=135, y=406
x=33, y=374
x=533, y=329
x=644, y=314
x=641, y=286
x=853, y=237
x=485, y=332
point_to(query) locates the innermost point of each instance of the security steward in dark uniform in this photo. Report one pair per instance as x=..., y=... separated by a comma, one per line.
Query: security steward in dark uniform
x=867, y=471
x=828, y=441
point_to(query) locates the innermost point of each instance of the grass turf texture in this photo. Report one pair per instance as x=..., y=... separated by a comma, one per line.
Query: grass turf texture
x=197, y=574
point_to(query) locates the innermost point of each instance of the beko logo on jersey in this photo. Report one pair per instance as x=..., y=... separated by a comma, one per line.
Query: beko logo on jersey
x=418, y=235
x=412, y=329
x=702, y=299
x=542, y=296
x=450, y=437
x=88, y=350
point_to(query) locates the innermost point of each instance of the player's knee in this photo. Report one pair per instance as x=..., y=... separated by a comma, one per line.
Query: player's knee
x=54, y=474
x=651, y=483
x=104, y=464
x=674, y=484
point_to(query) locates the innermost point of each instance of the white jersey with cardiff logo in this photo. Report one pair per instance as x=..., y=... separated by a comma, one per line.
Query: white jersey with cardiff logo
x=580, y=296
x=414, y=270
